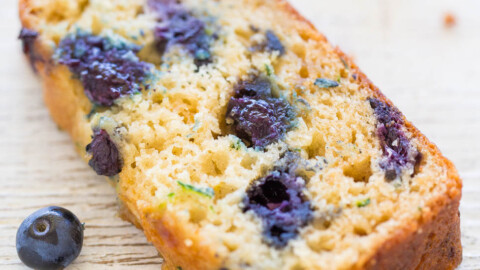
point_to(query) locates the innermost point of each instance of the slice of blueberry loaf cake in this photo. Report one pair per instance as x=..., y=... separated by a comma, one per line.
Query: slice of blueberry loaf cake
x=237, y=137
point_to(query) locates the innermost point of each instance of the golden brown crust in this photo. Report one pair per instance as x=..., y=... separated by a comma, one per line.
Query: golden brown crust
x=26, y=17
x=164, y=233
x=433, y=242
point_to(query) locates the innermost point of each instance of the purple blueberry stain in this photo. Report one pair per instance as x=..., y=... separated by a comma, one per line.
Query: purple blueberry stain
x=107, y=71
x=106, y=158
x=179, y=26
x=28, y=37
x=255, y=115
x=278, y=200
x=398, y=153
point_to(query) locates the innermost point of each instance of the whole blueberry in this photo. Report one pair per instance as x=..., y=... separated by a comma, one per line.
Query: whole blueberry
x=50, y=238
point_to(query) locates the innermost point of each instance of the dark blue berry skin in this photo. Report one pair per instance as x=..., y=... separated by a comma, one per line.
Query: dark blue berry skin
x=178, y=26
x=107, y=72
x=278, y=200
x=395, y=145
x=28, y=38
x=50, y=238
x=105, y=156
x=255, y=115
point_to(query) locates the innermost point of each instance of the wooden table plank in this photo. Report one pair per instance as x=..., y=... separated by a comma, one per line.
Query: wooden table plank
x=428, y=70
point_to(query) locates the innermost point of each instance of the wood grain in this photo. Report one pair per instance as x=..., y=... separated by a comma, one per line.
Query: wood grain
x=428, y=70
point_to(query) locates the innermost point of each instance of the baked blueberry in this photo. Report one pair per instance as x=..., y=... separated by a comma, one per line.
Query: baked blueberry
x=107, y=71
x=255, y=115
x=256, y=86
x=28, y=37
x=50, y=238
x=271, y=44
x=279, y=201
x=396, y=147
x=105, y=156
x=179, y=26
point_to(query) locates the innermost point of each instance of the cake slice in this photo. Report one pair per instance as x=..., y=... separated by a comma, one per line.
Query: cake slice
x=237, y=137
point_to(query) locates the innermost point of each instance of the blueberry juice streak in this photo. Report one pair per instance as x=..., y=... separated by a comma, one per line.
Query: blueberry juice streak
x=178, y=26
x=397, y=151
x=107, y=72
x=255, y=115
x=277, y=199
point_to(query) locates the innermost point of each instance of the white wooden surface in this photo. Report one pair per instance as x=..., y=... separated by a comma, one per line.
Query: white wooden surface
x=431, y=72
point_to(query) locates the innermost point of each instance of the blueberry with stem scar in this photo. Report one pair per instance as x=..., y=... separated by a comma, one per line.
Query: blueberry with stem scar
x=50, y=238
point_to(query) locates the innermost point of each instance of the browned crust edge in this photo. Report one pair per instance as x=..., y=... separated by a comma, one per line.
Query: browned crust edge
x=434, y=245
x=433, y=242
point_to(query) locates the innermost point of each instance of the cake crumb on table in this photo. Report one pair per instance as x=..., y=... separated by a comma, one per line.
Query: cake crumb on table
x=449, y=20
